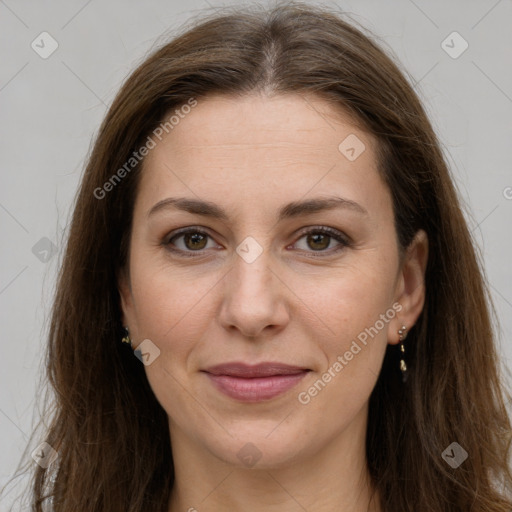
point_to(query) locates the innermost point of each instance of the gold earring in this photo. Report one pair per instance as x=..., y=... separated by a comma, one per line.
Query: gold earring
x=126, y=338
x=402, y=334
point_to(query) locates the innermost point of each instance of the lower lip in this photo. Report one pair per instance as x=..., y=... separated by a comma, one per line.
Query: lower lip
x=255, y=389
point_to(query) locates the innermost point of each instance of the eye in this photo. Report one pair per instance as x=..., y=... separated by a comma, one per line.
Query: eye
x=319, y=239
x=188, y=240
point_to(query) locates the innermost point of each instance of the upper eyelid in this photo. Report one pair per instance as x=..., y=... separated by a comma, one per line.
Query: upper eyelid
x=184, y=231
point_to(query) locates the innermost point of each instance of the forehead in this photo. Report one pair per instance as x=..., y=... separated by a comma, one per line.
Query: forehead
x=308, y=123
x=260, y=149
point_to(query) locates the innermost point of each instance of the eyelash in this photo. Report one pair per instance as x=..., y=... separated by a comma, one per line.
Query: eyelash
x=332, y=233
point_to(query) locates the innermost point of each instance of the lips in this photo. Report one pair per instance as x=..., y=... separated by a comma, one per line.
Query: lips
x=246, y=371
x=254, y=383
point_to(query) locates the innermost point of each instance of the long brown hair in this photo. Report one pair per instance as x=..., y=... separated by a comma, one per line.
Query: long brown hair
x=111, y=434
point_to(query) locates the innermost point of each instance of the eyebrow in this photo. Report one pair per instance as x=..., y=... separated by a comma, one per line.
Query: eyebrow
x=291, y=210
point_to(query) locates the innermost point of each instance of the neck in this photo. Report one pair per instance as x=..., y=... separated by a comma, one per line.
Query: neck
x=333, y=479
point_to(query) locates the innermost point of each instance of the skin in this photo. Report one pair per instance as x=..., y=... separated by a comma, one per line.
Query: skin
x=299, y=302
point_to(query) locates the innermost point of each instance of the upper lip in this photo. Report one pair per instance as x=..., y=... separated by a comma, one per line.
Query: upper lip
x=243, y=370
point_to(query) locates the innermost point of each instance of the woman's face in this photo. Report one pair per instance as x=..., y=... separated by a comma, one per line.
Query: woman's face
x=263, y=241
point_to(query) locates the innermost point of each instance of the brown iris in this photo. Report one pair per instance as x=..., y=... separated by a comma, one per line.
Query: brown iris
x=197, y=241
x=319, y=240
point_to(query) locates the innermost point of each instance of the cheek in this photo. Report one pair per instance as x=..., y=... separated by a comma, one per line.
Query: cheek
x=174, y=310
x=353, y=310
x=165, y=295
x=345, y=303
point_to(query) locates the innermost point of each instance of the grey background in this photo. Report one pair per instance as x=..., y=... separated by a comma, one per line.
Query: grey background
x=51, y=108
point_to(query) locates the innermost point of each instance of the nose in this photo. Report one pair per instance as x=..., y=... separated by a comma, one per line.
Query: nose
x=254, y=301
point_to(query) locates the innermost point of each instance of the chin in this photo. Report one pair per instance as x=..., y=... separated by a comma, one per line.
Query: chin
x=263, y=446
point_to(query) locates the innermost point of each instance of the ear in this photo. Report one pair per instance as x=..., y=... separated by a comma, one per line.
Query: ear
x=410, y=288
x=126, y=300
